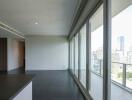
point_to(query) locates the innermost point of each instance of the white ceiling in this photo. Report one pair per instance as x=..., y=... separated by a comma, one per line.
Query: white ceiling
x=54, y=17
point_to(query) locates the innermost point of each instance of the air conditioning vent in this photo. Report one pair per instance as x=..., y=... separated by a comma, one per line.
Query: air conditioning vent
x=9, y=29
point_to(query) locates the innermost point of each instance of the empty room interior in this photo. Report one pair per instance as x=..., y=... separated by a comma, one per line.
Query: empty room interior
x=65, y=49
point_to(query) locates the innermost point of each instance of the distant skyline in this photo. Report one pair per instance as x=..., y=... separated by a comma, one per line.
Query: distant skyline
x=121, y=26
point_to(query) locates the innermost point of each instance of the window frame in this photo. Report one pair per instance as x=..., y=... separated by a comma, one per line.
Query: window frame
x=106, y=50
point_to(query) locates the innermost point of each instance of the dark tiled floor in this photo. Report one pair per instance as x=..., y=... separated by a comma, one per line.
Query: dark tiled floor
x=53, y=85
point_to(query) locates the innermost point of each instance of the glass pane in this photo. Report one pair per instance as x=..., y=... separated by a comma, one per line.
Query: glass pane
x=76, y=55
x=72, y=55
x=96, y=78
x=121, y=49
x=97, y=65
x=129, y=76
x=117, y=72
x=83, y=56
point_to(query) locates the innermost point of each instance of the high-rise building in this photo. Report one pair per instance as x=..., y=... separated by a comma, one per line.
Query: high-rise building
x=121, y=41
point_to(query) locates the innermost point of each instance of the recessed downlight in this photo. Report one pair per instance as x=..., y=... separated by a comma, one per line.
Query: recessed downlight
x=36, y=23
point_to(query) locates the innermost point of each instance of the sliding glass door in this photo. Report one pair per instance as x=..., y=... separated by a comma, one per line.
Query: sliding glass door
x=96, y=68
x=121, y=69
x=72, y=55
x=76, y=55
x=83, y=56
x=121, y=55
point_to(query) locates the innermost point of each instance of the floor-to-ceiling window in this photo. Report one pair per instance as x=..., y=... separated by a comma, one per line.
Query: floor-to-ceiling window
x=72, y=55
x=83, y=55
x=121, y=67
x=76, y=55
x=96, y=31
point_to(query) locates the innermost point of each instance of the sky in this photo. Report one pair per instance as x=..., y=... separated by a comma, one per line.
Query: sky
x=121, y=26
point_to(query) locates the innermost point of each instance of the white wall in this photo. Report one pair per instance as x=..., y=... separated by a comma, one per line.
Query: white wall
x=46, y=53
x=13, y=53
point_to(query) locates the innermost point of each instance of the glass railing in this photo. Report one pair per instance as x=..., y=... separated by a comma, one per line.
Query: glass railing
x=117, y=72
x=121, y=73
x=97, y=67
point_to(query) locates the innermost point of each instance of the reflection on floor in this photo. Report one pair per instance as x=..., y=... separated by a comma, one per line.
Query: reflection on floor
x=117, y=93
x=53, y=85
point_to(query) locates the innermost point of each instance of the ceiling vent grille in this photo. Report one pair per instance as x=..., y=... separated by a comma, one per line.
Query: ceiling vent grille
x=11, y=30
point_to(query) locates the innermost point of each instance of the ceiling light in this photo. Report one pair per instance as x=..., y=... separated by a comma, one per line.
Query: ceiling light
x=36, y=23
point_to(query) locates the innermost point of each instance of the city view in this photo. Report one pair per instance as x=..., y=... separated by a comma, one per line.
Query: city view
x=121, y=66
